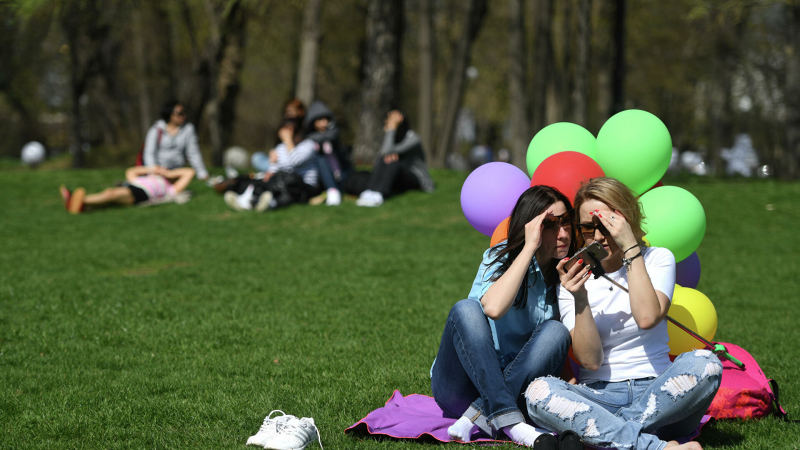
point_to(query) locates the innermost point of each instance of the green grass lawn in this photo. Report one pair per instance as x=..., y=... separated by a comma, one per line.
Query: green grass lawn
x=182, y=326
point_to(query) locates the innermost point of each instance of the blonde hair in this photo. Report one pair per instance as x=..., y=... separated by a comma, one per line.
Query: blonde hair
x=618, y=197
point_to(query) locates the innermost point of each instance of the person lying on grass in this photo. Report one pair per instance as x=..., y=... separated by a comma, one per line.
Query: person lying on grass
x=631, y=395
x=143, y=185
x=507, y=333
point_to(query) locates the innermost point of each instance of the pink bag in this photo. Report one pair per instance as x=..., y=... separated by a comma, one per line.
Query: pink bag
x=744, y=393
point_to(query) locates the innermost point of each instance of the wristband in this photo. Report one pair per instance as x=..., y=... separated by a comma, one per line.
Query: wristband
x=627, y=261
x=626, y=251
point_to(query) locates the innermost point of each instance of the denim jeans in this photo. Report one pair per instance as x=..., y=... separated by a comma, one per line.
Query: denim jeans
x=631, y=414
x=467, y=379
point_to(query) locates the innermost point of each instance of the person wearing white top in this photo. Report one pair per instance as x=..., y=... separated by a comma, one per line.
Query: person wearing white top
x=632, y=396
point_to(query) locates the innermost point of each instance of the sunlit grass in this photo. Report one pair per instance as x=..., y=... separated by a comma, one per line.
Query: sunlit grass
x=183, y=326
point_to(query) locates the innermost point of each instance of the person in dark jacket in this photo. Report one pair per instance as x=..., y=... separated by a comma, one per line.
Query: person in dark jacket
x=400, y=165
x=333, y=160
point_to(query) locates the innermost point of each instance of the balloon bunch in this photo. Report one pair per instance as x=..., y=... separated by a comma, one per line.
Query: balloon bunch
x=634, y=147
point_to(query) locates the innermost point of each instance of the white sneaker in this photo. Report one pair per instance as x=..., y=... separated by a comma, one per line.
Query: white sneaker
x=231, y=199
x=370, y=199
x=264, y=201
x=294, y=434
x=269, y=429
x=334, y=197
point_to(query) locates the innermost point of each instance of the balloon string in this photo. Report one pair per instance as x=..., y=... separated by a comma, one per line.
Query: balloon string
x=716, y=348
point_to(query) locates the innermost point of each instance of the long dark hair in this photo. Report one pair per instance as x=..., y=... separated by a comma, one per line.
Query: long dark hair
x=402, y=129
x=167, y=108
x=531, y=203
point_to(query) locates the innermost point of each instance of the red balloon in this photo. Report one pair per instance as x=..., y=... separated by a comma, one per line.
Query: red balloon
x=566, y=171
x=659, y=184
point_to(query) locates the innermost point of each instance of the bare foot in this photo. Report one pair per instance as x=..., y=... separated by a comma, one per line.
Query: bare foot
x=691, y=445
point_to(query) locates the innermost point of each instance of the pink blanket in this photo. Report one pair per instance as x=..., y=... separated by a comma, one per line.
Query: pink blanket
x=418, y=416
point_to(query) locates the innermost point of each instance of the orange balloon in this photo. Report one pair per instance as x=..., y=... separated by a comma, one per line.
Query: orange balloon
x=501, y=232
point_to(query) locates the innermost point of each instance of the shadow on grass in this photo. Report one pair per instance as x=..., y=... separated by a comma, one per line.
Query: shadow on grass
x=713, y=436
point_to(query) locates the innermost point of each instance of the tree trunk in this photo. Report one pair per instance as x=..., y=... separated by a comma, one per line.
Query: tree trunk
x=382, y=71
x=145, y=101
x=618, y=73
x=426, y=77
x=518, y=100
x=227, y=67
x=542, y=61
x=474, y=13
x=580, y=89
x=309, y=52
x=790, y=166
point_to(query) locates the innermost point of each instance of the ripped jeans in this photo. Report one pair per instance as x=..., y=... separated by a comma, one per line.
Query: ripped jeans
x=631, y=414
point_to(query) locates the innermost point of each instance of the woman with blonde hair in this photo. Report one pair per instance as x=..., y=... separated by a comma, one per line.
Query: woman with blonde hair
x=631, y=395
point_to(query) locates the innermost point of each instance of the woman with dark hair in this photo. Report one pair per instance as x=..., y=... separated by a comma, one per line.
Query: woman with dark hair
x=172, y=140
x=631, y=395
x=507, y=333
x=400, y=165
x=290, y=178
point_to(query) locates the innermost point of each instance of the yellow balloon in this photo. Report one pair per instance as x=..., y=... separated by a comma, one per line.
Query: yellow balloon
x=694, y=311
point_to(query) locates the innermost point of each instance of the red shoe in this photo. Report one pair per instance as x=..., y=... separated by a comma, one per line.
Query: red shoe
x=65, y=195
x=75, y=205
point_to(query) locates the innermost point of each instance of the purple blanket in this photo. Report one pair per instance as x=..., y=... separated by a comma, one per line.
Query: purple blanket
x=418, y=416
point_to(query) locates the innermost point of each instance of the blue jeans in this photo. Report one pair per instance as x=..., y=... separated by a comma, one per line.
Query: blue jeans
x=467, y=379
x=631, y=414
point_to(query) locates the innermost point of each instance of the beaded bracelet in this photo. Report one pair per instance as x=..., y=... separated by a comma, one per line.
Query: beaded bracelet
x=627, y=261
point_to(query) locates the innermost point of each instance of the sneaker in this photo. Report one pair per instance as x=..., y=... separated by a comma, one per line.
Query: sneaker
x=370, y=199
x=232, y=200
x=319, y=199
x=334, y=197
x=215, y=180
x=269, y=429
x=65, y=195
x=75, y=205
x=231, y=172
x=295, y=434
x=264, y=201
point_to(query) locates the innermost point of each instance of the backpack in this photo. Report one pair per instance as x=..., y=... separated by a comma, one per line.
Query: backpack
x=744, y=393
x=140, y=156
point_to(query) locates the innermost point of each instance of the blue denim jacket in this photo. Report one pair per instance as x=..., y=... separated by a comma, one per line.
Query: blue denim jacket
x=512, y=331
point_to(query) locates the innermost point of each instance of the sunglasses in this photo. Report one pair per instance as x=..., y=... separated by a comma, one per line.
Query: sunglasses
x=564, y=220
x=178, y=113
x=587, y=229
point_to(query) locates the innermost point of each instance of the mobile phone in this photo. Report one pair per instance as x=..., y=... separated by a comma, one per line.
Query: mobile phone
x=591, y=255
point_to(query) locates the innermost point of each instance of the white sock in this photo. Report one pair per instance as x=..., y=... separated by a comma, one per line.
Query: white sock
x=523, y=434
x=461, y=430
x=246, y=198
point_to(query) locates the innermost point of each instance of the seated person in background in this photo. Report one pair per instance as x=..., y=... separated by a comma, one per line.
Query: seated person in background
x=172, y=140
x=400, y=165
x=292, y=109
x=291, y=176
x=333, y=160
x=144, y=185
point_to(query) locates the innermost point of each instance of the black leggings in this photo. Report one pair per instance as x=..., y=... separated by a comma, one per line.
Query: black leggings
x=286, y=188
x=391, y=179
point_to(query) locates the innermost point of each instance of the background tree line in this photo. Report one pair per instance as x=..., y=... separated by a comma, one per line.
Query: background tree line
x=91, y=75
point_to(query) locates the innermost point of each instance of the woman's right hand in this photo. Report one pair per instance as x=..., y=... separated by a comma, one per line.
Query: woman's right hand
x=573, y=279
x=533, y=231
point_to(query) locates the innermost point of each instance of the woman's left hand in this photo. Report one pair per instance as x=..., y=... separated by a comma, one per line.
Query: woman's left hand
x=617, y=226
x=286, y=134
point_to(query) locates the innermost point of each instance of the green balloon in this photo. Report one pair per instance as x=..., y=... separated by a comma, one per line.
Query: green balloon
x=674, y=219
x=634, y=147
x=559, y=137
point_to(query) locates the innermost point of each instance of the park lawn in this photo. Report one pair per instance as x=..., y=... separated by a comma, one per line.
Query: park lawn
x=182, y=326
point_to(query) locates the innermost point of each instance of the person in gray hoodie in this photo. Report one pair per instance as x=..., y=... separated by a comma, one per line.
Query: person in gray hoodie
x=172, y=140
x=400, y=165
x=333, y=159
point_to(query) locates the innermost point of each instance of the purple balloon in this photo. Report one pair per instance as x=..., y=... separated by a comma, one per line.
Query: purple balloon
x=687, y=272
x=490, y=193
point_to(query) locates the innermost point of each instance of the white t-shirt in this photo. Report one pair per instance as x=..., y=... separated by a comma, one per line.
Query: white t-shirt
x=629, y=351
